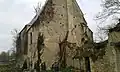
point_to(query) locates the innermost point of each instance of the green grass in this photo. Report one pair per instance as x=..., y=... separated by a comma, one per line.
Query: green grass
x=5, y=68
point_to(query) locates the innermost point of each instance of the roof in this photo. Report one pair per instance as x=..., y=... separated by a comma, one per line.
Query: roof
x=37, y=14
x=42, y=9
x=24, y=27
x=35, y=18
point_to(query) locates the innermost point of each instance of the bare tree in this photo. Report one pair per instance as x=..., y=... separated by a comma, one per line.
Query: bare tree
x=102, y=32
x=110, y=8
x=15, y=34
x=37, y=8
x=110, y=12
x=12, y=58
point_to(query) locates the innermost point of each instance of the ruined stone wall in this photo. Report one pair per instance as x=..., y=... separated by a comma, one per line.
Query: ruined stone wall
x=22, y=46
x=23, y=38
x=65, y=32
x=110, y=61
x=57, y=18
x=52, y=31
x=114, y=38
x=79, y=33
x=66, y=39
x=105, y=62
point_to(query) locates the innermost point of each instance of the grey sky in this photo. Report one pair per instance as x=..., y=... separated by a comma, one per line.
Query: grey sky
x=17, y=13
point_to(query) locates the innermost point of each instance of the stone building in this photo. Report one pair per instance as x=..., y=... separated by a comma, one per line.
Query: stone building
x=59, y=34
x=63, y=28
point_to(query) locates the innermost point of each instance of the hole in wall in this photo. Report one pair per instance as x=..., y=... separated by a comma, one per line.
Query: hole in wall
x=75, y=26
x=61, y=14
x=82, y=40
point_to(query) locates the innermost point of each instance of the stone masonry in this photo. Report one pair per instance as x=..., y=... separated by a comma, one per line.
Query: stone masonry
x=58, y=34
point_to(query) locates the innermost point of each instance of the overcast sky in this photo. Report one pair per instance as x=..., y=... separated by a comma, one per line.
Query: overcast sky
x=17, y=13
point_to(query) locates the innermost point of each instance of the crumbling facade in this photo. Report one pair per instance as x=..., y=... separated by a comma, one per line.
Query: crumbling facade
x=59, y=35
x=64, y=30
x=108, y=55
x=21, y=44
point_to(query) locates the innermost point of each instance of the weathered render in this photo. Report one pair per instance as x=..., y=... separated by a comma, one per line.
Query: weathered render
x=21, y=44
x=107, y=58
x=59, y=34
x=64, y=30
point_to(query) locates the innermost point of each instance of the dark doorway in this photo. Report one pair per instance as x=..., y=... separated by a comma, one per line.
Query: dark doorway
x=87, y=64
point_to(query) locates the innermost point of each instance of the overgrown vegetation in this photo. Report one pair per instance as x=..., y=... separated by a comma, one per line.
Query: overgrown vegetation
x=8, y=58
x=8, y=62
